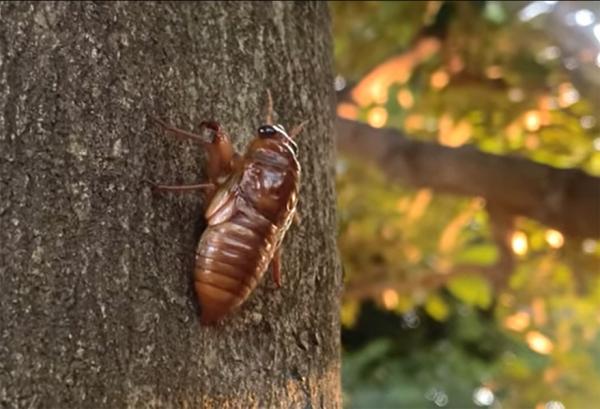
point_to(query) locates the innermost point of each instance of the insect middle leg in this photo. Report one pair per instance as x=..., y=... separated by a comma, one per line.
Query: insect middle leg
x=183, y=188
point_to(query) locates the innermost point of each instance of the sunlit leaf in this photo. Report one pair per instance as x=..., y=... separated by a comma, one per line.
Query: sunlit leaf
x=516, y=368
x=494, y=12
x=482, y=254
x=562, y=276
x=437, y=308
x=593, y=164
x=473, y=290
x=405, y=304
x=349, y=312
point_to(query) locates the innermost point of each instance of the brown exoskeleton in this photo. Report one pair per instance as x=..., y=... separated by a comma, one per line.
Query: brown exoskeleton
x=252, y=201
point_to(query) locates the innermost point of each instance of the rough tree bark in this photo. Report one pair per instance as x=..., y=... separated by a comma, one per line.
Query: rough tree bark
x=97, y=308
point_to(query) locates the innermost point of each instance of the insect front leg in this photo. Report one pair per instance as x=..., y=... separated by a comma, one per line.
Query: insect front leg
x=222, y=158
x=179, y=133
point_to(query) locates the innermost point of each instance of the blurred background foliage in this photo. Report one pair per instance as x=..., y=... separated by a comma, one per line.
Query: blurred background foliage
x=516, y=78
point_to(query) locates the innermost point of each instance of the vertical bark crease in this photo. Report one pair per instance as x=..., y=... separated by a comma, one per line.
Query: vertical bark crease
x=97, y=302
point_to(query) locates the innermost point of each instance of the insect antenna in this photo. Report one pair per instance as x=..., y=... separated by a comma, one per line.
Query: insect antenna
x=269, y=118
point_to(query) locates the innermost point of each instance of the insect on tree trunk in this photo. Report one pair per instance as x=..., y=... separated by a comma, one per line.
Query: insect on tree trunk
x=97, y=307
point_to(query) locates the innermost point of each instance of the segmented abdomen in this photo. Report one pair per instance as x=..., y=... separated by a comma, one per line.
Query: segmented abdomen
x=231, y=257
x=247, y=220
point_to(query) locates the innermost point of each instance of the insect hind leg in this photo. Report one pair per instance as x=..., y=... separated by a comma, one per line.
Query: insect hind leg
x=276, y=268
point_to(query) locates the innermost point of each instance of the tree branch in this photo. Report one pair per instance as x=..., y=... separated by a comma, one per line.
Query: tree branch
x=565, y=199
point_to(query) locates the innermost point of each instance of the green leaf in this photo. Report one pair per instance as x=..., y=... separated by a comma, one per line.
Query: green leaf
x=349, y=313
x=437, y=308
x=405, y=304
x=471, y=290
x=482, y=254
x=494, y=12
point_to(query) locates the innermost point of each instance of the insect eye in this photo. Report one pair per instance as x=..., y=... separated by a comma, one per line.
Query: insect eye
x=266, y=131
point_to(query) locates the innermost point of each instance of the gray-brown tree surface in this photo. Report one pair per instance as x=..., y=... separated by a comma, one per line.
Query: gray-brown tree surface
x=96, y=303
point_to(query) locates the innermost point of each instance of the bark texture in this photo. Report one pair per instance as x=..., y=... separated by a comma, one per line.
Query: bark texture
x=566, y=199
x=97, y=308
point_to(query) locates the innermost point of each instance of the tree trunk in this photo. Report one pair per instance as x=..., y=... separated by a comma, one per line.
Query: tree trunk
x=97, y=306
